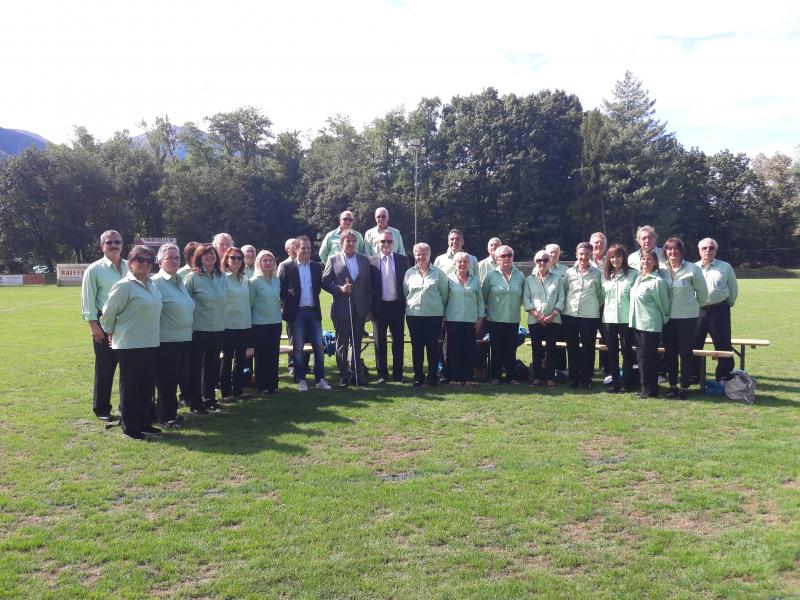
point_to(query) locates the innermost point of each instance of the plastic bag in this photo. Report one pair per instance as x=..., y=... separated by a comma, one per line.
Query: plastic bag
x=740, y=386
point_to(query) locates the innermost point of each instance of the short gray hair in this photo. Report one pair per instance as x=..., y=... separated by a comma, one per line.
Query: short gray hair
x=347, y=233
x=422, y=247
x=107, y=234
x=162, y=251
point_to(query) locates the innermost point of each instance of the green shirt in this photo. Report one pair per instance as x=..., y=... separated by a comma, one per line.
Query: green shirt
x=237, y=306
x=426, y=295
x=249, y=271
x=464, y=302
x=372, y=246
x=649, y=308
x=177, y=313
x=583, y=293
x=559, y=269
x=96, y=285
x=209, y=293
x=132, y=313
x=183, y=272
x=445, y=263
x=265, y=300
x=543, y=295
x=720, y=282
x=331, y=244
x=687, y=290
x=486, y=266
x=503, y=297
x=617, y=296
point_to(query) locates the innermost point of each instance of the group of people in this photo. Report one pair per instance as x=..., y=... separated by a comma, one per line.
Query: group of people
x=189, y=327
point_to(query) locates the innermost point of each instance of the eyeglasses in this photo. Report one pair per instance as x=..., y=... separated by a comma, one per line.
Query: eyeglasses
x=542, y=260
x=235, y=257
x=113, y=242
x=143, y=260
x=708, y=247
x=506, y=255
x=347, y=218
x=386, y=242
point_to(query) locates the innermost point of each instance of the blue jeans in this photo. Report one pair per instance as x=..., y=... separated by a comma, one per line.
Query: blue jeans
x=306, y=327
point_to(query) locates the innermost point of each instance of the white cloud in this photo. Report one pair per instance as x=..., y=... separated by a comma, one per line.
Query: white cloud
x=106, y=65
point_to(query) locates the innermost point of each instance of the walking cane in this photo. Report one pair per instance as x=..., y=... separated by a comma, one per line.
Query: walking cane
x=352, y=331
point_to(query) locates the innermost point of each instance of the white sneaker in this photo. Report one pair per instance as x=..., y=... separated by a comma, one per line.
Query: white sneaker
x=302, y=386
x=607, y=380
x=323, y=385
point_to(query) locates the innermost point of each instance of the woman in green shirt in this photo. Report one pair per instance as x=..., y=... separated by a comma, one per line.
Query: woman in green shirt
x=265, y=312
x=688, y=292
x=542, y=299
x=618, y=279
x=426, y=290
x=649, y=310
x=502, y=295
x=582, y=290
x=177, y=314
x=237, y=325
x=131, y=318
x=207, y=286
x=463, y=316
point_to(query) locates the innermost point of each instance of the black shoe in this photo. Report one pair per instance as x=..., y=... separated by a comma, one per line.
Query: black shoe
x=443, y=380
x=150, y=430
x=683, y=394
x=613, y=389
x=212, y=407
x=643, y=395
x=694, y=380
x=108, y=418
x=672, y=392
x=342, y=383
x=133, y=435
x=588, y=385
x=198, y=411
x=417, y=383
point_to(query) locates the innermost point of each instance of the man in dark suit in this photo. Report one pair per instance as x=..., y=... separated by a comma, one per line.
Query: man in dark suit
x=301, y=282
x=388, y=270
x=347, y=279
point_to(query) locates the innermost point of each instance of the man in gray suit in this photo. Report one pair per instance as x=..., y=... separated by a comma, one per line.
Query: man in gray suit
x=347, y=279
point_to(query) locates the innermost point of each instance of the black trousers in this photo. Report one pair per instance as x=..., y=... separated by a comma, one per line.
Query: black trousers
x=394, y=323
x=460, y=350
x=137, y=376
x=678, y=338
x=647, y=357
x=424, y=332
x=560, y=363
x=267, y=346
x=619, y=339
x=105, y=365
x=503, y=346
x=543, y=369
x=173, y=358
x=348, y=349
x=581, y=334
x=204, y=366
x=234, y=347
x=715, y=320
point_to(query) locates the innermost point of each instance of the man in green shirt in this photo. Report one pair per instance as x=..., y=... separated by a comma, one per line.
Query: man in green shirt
x=715, y=314
x=455, y=244
x=98, y=279
x=489, y=264
x=372, y=238
x=331, y=244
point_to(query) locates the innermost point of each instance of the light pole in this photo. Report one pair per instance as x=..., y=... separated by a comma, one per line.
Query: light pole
x=415, y=145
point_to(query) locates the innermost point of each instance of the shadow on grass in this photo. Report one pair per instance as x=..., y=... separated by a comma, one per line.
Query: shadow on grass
x=256, y=423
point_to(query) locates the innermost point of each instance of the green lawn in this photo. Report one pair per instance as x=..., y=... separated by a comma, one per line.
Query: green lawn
x=399, y=492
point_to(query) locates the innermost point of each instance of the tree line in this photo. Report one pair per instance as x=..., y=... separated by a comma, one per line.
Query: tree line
x=530, y=169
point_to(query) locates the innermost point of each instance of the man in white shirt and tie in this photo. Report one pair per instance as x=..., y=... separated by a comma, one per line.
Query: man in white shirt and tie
x=388, y=269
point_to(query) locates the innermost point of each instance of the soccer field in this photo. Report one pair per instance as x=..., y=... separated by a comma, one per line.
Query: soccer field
x=400, y=492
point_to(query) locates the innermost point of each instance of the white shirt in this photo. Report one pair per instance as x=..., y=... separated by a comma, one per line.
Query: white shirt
x=389, y=286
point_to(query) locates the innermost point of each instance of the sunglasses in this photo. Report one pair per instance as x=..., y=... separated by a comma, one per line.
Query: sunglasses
x=236, y=257
x=386, y=242
x=143, y=260
x=542, y=260
x=708, y=247
x=113, y=242
x=506, y=255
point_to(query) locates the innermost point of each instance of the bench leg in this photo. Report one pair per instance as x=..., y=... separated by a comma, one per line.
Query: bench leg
x=741, y=358
x=703, y=366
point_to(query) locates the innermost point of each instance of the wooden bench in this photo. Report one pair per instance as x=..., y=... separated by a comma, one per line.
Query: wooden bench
x=743, y=344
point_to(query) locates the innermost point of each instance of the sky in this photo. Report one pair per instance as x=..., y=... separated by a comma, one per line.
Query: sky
x=724, y=74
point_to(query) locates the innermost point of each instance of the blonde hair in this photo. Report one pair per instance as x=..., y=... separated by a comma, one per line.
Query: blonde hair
x=258, y=271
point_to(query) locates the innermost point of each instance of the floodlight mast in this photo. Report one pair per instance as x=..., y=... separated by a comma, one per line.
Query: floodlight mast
x=415, y=145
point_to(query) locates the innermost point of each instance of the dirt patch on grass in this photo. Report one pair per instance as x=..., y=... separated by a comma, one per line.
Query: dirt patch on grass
x=392, y=448
x=487, y=464
x=792, y=484
x=792, y=576
x=603, y=449
x=189, y=583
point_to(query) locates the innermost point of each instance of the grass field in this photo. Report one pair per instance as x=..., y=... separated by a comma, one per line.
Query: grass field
x=399, y=493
